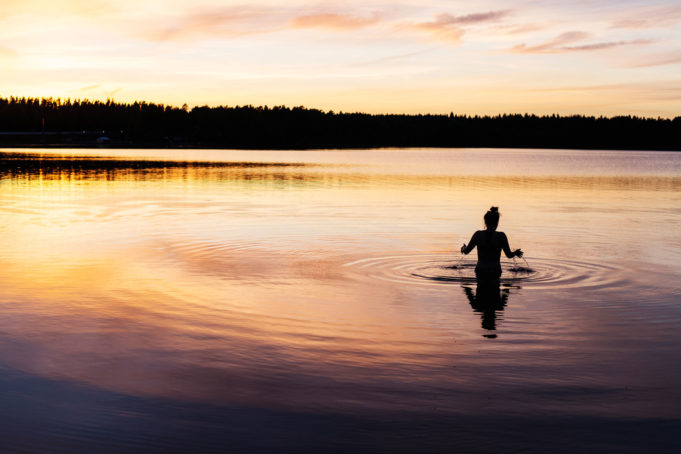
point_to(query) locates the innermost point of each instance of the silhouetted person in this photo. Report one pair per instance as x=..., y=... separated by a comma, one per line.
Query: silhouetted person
x=490, y=243
x=487, y=300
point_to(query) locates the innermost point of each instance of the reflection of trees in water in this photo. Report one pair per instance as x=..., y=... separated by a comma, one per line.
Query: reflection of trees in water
x=489, y=299
x=31, y=167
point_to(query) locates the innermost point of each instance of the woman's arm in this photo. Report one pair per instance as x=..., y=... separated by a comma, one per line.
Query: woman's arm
x=471, y=244
x=507, y=248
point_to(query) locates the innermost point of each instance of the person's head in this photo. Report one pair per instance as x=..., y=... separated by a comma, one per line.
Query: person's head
x=492, y=218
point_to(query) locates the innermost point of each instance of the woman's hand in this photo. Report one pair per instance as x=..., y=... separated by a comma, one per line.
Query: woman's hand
x=463, y=248
x=518, y=253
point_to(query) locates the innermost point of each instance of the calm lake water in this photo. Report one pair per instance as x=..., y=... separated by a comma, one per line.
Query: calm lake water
x=287, y=301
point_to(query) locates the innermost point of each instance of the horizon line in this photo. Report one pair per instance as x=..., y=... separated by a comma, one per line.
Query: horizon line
x=188, y=108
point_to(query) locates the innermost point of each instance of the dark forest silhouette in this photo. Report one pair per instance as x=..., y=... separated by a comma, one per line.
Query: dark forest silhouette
x=45, y=122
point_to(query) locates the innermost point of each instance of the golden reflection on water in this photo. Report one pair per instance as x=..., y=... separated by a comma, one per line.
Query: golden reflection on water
x=227, y=281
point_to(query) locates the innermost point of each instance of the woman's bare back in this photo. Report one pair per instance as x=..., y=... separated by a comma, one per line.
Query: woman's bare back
x=490, y=243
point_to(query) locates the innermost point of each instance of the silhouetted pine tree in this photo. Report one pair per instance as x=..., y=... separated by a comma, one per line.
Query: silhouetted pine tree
x=154, y=125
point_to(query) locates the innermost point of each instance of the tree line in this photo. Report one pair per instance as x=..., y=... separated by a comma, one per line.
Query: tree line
x=48, y=121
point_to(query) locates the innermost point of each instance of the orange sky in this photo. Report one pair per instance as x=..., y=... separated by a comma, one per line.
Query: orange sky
x=470, y=57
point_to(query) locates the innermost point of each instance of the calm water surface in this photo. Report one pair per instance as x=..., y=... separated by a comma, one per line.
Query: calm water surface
x=212, y=300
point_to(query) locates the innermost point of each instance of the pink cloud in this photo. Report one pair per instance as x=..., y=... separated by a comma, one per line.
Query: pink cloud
x=225, y=22
x=451, y=28
x=241, y=21
x=649, y=18
x=604, y=45
x=469, y=19
x=520, y=29
x=564, y=43
x=441, y=31
x=335, y=21
x=551, y=46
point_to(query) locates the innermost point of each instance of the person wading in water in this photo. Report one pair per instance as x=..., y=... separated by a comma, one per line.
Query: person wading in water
x=489, y=300
x=490, y=243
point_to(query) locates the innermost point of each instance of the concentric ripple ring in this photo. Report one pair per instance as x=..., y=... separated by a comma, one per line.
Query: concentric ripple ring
x=445, y=269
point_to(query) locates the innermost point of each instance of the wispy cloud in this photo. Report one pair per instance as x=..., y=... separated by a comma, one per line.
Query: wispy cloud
x=649, y=17
x=245, y=20
x=393, y=58
x=88, y=88
x=515, y=29
x=110, y=93
x=335, y=21
x=564, y=43
x=448, y=27
x=670, y=58
x=551, y=45
x=605, y=45
x=444, y=32
x=661, y=89
x=224, y=22
x=241, y=21
x=469, y=19
x=97, y=90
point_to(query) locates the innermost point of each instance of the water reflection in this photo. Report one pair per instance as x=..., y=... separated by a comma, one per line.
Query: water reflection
x=489, y=300
x=323, y=284
x=32, y=167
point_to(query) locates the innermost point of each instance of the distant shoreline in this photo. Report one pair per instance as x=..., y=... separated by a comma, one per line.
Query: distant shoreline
x=190, y=147
x=48, y=123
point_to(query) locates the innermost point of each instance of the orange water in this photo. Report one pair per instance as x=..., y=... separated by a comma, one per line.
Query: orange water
x=321, y=283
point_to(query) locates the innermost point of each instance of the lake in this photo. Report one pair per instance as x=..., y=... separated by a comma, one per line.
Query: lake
x=291, y=301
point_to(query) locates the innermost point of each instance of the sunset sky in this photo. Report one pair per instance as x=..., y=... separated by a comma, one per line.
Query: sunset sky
x=469, y=57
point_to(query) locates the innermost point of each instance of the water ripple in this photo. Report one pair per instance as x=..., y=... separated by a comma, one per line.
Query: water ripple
x=439, y=269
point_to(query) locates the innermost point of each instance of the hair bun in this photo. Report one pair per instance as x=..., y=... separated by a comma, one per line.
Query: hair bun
x=494, y=209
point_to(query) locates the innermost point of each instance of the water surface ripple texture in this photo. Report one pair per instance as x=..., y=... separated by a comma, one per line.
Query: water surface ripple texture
x=162, y=301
